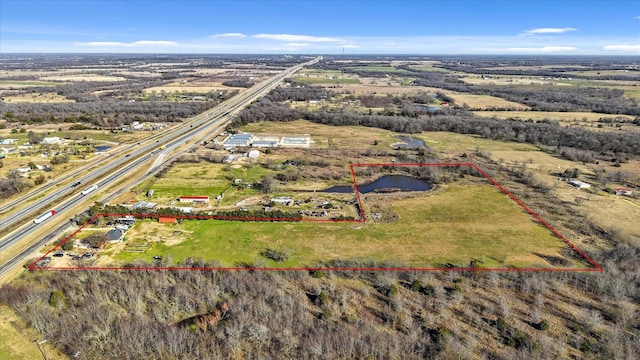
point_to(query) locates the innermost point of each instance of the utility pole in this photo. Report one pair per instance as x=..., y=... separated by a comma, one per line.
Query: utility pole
x=39, y=348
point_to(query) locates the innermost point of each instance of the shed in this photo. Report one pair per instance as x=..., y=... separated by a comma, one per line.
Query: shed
x=579, y=184
x=196, y=199
x=254, y=154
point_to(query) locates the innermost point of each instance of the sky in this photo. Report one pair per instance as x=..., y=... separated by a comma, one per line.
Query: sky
x=541, y=27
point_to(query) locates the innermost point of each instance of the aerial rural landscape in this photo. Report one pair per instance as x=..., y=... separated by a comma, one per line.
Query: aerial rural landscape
x=289, y=203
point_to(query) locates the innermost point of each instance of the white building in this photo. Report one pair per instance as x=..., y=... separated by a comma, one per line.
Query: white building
x=51, y=140
x=579, y=184
x=253, y=154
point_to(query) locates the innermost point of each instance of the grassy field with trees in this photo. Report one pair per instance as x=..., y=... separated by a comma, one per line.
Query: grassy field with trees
x=327, y=314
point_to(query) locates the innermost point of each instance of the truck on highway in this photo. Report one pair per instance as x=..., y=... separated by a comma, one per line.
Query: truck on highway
x=44, y=216
x=89, y=189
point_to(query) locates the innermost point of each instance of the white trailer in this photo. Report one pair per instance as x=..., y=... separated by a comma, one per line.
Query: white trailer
x=89, y=189
x=44, y=216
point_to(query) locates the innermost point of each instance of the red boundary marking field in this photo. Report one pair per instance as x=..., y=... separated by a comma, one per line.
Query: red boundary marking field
x=596, y=267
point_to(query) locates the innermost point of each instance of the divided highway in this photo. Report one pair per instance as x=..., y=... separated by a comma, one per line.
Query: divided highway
x=206, y=124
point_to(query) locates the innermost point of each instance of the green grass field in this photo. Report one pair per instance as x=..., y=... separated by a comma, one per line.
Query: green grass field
x=457, y=225
x=206, y=180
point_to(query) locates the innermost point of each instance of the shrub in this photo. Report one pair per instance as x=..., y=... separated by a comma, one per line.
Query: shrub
x=67, y=246
x=393, y=291
x=323, y=299
x=542, y=325
x=275, y=255
x=57, y=299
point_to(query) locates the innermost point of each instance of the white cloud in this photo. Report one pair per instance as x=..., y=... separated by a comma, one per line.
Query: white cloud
x=544, y=49
x=622, y=47
x=229, y=35
x=105, y=43
x=350, y=46
x=549, y=30
x=153, y=42
x=296, y=38
x=637, y=18
x=131, y=44
x=296, y=44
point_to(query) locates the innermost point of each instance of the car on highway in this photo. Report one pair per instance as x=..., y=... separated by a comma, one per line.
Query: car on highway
x=75, y=184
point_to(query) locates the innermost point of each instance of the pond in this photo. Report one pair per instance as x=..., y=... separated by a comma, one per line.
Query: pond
x=101, y=148
x=409, y=142
x=385, y=183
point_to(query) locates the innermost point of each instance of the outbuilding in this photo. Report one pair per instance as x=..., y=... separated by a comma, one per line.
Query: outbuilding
x=194, y=199
x=579, y=184
x=253, y=154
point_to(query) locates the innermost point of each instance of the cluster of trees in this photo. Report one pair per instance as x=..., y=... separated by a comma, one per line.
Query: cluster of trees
x=327, y=314
x=13, y=184
x=298, y=91
x=107, y=113
x=259, y=215
x=244, y=83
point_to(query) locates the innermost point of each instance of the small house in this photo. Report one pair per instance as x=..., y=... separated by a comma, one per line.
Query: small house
x=167, y=220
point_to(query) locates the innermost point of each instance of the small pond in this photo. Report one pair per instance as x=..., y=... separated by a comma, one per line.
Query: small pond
x=101, y=148
x=389, y=182
x=409, y=142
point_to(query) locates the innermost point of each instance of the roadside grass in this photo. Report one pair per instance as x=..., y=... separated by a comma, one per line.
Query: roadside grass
x=451, y=226
x=16, y=339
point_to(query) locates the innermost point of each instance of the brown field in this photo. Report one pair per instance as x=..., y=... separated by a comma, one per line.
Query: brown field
x=605, y=72
x=485, y=101
x=615, y=214
x=82, y=77
x=525, y=67
x=460, y=143
x=551, y=115
x=36, y=98
x=589, y=121
x=190, y=87
x=506, y=80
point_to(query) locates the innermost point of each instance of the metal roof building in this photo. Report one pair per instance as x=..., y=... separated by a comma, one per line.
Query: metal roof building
x=236, y=140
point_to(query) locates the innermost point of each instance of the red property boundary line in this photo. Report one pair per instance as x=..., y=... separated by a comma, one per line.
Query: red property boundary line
x=596, y=267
